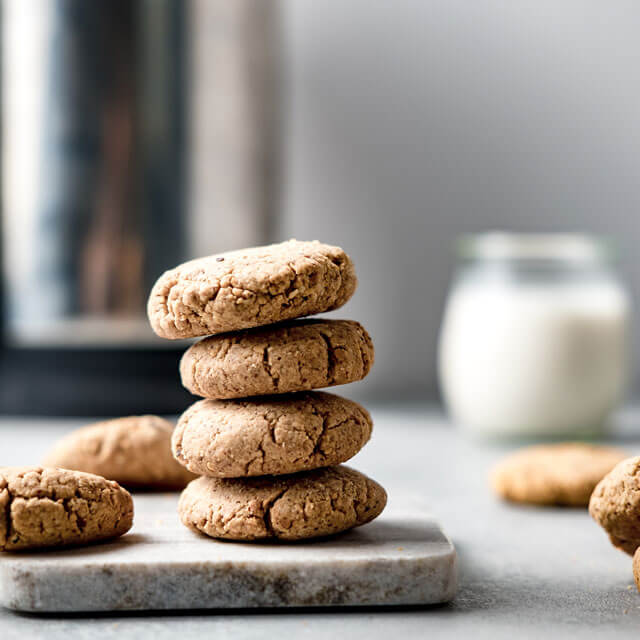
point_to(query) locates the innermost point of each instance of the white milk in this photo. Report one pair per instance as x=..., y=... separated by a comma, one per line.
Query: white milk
x=534, y=358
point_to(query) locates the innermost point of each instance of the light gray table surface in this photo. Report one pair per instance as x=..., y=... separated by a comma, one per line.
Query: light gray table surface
x=524, y=572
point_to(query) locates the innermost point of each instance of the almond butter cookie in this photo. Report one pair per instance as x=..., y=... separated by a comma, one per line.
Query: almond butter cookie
x=554, y=474
x=250, y=288
x=294, y=356
x=55, y=507
x=134, y=451
x=271, y=435
x=615, y=505
x=304, y=505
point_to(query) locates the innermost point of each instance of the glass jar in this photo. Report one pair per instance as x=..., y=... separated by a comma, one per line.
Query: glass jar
x=534, y=339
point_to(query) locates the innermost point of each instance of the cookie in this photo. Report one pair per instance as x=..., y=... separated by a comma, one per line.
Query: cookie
x=304, y=505
x=55, y=507
x=615, y=505
x=271, y=435
x=134, y=451
x=250, y=288
x=295, y=356
x=554, y=474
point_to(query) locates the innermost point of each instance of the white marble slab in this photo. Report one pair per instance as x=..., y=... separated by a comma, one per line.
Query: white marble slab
x=403, y=558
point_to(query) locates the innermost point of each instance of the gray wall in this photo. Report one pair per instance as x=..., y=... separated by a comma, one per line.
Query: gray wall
x=408, y=122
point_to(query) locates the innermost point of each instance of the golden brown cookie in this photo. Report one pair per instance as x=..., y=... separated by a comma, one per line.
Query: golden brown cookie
x=250, y=288
x=303, y=505
x=134, y=451
x=295, y=356
x=554, y=474
x=56, y=507
x=615, y=505
x=272, y=435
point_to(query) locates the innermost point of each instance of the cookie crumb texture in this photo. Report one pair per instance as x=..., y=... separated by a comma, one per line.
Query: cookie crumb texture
x=270, y=435
x=250, y=288
x=306, y=505
x=134, y=451
x=562, y=474
x=297, y=356
x=615, y=506
x=42, y=508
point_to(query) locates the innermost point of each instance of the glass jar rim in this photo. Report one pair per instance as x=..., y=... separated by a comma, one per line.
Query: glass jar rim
x=556, y=247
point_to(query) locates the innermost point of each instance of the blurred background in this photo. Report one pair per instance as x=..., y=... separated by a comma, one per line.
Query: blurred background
x=137, y=134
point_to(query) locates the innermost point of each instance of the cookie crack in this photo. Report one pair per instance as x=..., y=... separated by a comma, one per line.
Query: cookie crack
x=261, y=456
x=335, y=507
x=261, y=453
x=331, y=359
x=266, y=363
x=292, y=289
x=73, y=515
x=317, y=451
x=268, y=508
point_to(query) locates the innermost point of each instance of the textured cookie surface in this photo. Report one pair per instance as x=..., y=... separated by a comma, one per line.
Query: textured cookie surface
x=270, y=435
x=560, y=474
x=295, y=356
x=615, y=505
x=134, y=451
x=250, y=288
x=55, y=507
x=304, y=505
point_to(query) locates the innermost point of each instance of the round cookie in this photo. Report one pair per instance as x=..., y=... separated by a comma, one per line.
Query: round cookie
x=250, y=288
x=55, y=507
x=295, y=356
x=269, y=436
x=134, y=451
x=554, y=474
x=615, y=505
x=304, y=505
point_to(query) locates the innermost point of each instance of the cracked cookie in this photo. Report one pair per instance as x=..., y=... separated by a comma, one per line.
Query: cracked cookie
x=134, y=451
x=250, y=288
x=554, y=474
x=304, y=505
x=270, y=435
x=295, y=356
x=55, y=507
x=615, y=505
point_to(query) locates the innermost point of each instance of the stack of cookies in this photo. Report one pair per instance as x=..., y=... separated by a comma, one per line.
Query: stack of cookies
x=268, y=448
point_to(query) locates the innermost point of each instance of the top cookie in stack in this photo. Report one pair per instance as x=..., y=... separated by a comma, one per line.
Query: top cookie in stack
x=250, y=288
x=232, y=434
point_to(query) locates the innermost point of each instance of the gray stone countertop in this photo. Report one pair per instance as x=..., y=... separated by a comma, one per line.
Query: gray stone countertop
x=524, y=572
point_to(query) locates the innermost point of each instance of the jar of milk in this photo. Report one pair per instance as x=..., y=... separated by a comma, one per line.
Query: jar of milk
x=534, y=339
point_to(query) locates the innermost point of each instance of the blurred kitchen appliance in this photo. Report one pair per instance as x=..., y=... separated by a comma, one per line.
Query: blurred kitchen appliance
x=136, y=135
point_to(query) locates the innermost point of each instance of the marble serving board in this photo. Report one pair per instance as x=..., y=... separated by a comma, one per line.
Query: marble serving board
x=402, y=558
